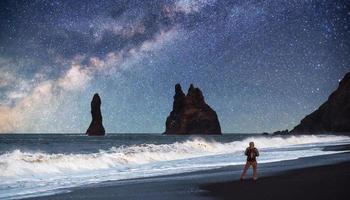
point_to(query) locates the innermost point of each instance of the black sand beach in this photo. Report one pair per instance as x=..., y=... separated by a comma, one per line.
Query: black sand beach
x=319, y=177
x=324, y=182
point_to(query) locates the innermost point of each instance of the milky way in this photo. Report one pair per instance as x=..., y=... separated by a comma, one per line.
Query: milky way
x=262, y=65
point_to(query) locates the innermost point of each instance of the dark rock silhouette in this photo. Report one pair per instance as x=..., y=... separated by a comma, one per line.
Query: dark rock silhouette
x=96, y=127
x=331, y=117
x=283, y=132
x=191, y=115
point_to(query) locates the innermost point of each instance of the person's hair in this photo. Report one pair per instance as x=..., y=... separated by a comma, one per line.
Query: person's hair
x=251, y=143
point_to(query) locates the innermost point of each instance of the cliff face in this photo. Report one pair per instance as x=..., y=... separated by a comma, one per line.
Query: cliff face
x=331, y=117
x=96, y=127
x=191, y=115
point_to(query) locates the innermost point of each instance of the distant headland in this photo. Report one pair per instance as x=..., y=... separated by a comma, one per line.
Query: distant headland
x=333, y=116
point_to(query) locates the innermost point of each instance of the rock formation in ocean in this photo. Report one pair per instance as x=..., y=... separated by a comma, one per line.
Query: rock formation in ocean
x=283, y=132
x=96, y=127
x=191, y=115
x=331, y=117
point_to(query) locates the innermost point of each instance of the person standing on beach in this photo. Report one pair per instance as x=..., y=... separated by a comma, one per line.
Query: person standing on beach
x=251, y=152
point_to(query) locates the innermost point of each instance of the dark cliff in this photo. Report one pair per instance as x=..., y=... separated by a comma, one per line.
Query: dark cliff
x=96, y=127
x=191, y=115
x=333, y=116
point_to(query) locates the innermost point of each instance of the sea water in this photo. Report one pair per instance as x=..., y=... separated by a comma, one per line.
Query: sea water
x=41, y=164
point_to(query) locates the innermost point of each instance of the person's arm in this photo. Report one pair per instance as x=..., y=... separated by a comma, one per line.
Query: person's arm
x=246, y=152
x=256, y=152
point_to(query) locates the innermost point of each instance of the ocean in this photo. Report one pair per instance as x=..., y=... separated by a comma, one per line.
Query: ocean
x=42, y=164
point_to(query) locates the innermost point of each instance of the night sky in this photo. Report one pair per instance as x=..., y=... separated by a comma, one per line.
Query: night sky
x=262, y=65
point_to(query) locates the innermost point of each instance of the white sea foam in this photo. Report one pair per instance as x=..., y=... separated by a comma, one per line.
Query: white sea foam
x=19, y=170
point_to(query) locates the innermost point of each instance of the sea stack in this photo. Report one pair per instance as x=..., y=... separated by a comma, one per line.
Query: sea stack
x=191, y=115
x=333, y=116
x=96, y=127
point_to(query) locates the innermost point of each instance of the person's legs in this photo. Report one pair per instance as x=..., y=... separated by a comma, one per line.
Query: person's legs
x=246, y=167
x=255, y=166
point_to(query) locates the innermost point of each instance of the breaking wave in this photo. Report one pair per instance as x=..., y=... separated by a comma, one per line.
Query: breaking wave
x=28, y=164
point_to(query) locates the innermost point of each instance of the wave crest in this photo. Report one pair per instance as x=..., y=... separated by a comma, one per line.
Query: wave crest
x=28, y=164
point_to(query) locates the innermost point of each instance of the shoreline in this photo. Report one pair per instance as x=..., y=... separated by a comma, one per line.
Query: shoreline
x=202, y=184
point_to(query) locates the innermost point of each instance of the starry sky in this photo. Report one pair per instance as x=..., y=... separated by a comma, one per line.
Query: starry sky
x=262, y=65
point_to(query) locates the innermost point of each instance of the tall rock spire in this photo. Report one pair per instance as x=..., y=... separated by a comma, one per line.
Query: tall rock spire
x=96, y=126
x=179, y=98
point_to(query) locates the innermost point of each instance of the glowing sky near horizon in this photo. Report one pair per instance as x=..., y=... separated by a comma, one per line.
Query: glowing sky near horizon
x=262, y=65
